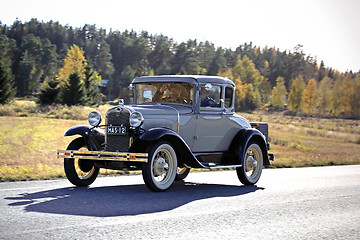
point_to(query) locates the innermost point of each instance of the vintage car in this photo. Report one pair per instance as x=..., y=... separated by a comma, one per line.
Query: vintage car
x=173, y=124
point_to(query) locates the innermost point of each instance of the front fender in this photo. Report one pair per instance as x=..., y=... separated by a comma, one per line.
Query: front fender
x=93, y=137
x=183, y=151
x=241, y=140
x=157, y=133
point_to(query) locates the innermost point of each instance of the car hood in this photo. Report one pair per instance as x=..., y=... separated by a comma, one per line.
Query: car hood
x=159, y=116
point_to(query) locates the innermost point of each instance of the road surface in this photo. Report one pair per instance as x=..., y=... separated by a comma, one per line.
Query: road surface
x=303, y=203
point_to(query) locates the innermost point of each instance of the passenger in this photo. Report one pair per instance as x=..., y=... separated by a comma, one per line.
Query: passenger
x=174, y=94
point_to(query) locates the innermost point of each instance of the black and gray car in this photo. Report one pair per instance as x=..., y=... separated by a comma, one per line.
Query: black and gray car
x=172, y=124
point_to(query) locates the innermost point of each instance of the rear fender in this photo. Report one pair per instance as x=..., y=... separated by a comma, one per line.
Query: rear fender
x=242, y=139
x=93, y=137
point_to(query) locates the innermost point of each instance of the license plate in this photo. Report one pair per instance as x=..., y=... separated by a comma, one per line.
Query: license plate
x=116, y=130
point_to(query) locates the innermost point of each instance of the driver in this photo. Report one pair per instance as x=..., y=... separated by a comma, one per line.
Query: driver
x=205, y=100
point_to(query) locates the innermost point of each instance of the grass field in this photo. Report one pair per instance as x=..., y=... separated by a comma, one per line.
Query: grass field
x=29, y=139
x=306, y=141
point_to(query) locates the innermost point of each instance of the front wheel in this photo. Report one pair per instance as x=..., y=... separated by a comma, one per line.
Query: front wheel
x=78, y=171
x=250, y=171
x=160, y=170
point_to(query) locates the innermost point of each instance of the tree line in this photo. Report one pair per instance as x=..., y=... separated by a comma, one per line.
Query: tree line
x=38, y=58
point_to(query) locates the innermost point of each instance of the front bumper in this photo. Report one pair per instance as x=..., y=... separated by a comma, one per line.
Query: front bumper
x=103, y=156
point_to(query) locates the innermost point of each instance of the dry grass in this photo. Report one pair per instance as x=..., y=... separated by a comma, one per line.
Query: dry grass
x=26, y=108
x=299, y=141
x=28, y=147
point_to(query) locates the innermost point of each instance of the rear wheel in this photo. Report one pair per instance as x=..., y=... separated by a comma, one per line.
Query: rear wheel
x=160, y=170
x=78, y=171
x=250, y=171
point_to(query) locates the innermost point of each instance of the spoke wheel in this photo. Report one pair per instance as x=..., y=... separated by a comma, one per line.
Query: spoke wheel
x=160, y=170
x=250, y=171
x=78, y=171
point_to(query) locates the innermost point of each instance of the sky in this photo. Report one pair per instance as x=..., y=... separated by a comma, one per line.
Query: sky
x=328, y=29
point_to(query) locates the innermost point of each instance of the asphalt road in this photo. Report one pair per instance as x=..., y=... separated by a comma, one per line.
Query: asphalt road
x=305, y=203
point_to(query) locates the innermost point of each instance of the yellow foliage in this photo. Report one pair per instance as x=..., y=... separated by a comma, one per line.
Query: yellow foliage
x=227, y=74
x=279, y=93
x=266, y=64
x=309, y=97
x=74, y=62
x=347, y=95
x=256, y=51
x=296, y=93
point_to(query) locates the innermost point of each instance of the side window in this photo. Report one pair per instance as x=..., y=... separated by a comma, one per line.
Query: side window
x=210, y=97
x=228, y=97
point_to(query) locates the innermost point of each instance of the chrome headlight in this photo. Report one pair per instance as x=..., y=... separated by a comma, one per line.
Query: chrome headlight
x=94, y=118
x=136, y=119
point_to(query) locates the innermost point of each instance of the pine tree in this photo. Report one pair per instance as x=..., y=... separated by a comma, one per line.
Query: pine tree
x=218, y=63
x=92, y=95
x=7, y=90
x=73, y=92
x=308, y=104
x=49, y=93
x=103, y=61
x=296, y=93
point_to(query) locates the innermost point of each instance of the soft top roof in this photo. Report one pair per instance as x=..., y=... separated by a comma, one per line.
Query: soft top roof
x=184, y=78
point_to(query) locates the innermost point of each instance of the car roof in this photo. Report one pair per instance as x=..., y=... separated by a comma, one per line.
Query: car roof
x=202, y=79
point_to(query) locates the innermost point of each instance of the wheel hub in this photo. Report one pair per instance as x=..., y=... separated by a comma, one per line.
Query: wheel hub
x=251, y=163
x=160, y=166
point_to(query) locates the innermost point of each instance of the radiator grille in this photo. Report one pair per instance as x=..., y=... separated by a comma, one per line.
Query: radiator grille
x=117, y=117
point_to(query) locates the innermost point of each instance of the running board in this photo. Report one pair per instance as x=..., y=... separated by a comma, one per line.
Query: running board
x=215, y=166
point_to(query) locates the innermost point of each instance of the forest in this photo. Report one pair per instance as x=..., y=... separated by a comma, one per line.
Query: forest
x=58, y=64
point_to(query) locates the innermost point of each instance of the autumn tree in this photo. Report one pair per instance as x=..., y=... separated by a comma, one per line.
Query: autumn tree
x=227, y=74
x=336, y=97
x=245, y=70
x=308, y=103
x=250, y=78
x=279, y=93
x=324, y=91
x=356, y=99
x=296, y=94
x=74, y=62
x=347, y=95
x=245, y=96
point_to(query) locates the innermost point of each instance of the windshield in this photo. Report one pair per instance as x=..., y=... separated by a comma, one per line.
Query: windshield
x=164, y=92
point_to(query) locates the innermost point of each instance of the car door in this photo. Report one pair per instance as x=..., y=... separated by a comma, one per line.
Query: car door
x=209, y=129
